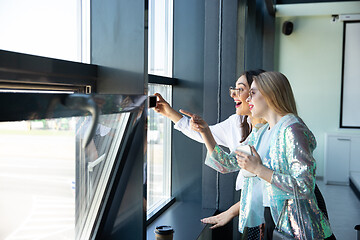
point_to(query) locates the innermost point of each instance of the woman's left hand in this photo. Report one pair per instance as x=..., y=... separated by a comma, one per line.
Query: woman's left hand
x=251, y=163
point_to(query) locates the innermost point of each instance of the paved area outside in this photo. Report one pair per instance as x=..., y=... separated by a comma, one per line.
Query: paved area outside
x=36, y=186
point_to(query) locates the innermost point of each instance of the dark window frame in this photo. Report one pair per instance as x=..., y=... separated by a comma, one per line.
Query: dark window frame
x=341, y=125
x=30, y=72
x=157, y=79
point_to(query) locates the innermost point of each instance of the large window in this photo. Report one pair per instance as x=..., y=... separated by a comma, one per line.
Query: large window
x=39, y=158
x=158, y=155
x=160, y=37
x=159, y=128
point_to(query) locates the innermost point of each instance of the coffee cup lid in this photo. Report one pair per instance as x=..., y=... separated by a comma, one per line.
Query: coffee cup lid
x=162, y=230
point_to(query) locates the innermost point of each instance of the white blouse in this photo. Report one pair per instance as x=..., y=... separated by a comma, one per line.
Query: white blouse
x=226, y=133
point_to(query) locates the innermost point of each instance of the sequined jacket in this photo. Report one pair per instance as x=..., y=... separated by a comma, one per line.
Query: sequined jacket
x=290, y=156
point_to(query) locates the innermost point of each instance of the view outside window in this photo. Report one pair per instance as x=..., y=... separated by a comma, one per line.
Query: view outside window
x=160, y=62
x=56, y=28
x=160, y=37
x=37, y=179
x=158, y=154
x=51, y=185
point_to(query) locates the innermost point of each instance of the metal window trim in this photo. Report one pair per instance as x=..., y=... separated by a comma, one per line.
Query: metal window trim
x=156, y=79
x=36, y=71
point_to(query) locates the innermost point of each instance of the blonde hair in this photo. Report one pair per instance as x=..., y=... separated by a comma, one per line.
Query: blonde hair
x=276, y=89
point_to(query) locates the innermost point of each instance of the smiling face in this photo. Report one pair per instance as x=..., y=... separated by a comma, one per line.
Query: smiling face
x=240, y=96
x=257, y=102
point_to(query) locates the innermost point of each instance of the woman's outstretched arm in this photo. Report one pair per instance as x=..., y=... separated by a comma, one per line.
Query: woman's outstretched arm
x=164, y=108
x=198, y=124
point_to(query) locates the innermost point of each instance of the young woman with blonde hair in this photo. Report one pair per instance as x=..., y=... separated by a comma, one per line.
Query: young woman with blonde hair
x=282, y=157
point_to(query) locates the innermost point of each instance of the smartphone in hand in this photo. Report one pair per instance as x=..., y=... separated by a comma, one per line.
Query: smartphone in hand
x=152, y=101
x=245, y=149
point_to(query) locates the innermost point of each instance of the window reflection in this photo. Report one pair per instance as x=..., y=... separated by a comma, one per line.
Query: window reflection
x=95, y=164
x=50, y=186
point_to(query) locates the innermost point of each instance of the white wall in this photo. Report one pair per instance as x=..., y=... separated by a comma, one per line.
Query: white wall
x=311, y=58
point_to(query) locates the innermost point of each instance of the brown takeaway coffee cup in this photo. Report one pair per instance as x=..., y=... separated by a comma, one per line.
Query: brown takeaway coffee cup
x=164, y=233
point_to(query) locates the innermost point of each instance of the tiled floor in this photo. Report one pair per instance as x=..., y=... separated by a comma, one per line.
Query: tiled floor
x=344, y=210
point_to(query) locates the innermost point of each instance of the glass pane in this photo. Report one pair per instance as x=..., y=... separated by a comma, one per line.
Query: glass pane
x=37, y=179
x=160, y=37
x=94, y=166
x=158, y=154
x=51, y=186
x=51, y=29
